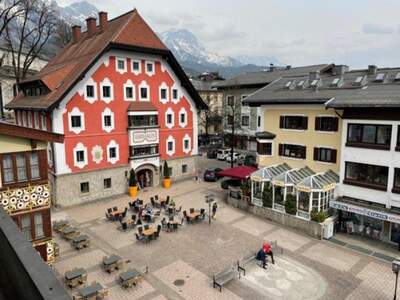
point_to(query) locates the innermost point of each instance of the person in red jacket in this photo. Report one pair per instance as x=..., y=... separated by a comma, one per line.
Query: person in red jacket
x=268, y=250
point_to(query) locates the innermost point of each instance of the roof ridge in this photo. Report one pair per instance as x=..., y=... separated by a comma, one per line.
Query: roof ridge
x=134, y=12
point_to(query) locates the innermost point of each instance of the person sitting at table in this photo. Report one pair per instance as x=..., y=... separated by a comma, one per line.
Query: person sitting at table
x=268, y=250
x=261, y=256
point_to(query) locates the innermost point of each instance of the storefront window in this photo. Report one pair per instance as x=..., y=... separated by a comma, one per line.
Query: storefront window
x=395, y=233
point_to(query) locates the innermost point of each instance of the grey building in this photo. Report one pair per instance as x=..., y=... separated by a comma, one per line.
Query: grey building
x=247, y=120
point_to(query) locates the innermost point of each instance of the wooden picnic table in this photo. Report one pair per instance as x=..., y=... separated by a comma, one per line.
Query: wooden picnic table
x=129, y=278
x=70, y=232
x=112, y=263
x=80, y=241
x=91, y=291
x=75, y=277
x=149, y=232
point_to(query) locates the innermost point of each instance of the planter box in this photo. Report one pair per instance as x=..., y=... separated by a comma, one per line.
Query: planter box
x=310, y=228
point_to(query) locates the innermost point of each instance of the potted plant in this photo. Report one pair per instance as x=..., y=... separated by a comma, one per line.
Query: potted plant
x=133, y=186
x=290, y=204
x=167, y=178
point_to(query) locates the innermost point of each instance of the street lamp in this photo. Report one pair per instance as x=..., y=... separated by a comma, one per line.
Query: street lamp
x=395, y=269
x=209, y=200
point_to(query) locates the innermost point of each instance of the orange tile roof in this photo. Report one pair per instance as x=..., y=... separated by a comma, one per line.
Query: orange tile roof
x=65, y=70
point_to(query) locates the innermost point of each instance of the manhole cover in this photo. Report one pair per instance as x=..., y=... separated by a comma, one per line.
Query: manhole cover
x=179, y=282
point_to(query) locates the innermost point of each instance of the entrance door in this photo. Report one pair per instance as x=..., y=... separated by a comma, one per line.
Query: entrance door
x=145, y=178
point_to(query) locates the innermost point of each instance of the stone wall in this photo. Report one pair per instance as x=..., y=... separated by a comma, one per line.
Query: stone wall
x=67, y=187
x=311, y=228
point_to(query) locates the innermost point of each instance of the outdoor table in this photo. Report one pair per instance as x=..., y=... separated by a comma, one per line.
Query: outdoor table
x=80, y=241
x=59, y=225
x=116, y=213
x=112, y=263
x=91, y=291
x=174, y=224
x=75, y=277
x=70, y=232
x=194, y=215
x=129, y=278
x=149, y=232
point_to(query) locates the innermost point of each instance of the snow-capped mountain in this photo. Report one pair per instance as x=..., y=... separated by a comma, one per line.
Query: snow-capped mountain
x=186, y=47
x=77, y=12
x=258, y=60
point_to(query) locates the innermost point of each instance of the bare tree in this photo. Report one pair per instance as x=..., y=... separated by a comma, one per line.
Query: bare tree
x=8, y=11
x=63, y=33
x=27, y=35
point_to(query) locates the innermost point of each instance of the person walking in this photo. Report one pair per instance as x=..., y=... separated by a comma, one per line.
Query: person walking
x=261, y=256
x=268, y=250
x=214, y=209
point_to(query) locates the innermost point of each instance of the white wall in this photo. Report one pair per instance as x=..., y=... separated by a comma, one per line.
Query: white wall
x=386, y=158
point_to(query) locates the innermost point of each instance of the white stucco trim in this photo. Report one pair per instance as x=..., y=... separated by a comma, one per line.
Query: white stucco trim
x=107, y=82
x=144, y=84
x=80, y=164
x=136, y=72
x=91, y=82
x=97, y=154
x=186, y=138
x=170, y=139
x=76, y=112
x=107, y=112
x=130, y=84
x=117, y=69
x=169, y=111
x=183, y=111
x=163, y=86
x=115, y=159
x=150, y=73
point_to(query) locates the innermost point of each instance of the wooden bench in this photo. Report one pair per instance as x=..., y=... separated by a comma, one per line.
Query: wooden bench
x=244, y=261
x=222, y=278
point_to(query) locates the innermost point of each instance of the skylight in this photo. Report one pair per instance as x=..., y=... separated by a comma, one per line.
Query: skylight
x=397, y=77
x=380, y=77
x=358, y=79
x=314, y=82
x=288, y=84
x=301, y=84
x=335, y=82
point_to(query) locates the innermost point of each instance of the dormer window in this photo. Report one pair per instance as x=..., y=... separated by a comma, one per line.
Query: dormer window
x=380, y=77
x=335, y=82
x=360, y=81
x=315, y=82
x=300, y=84
x=397, y=77
x=288, y=84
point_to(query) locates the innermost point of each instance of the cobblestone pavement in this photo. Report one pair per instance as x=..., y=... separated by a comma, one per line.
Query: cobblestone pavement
x=181, y=263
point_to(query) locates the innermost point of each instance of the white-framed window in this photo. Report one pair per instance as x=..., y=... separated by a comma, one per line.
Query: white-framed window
x=163, y=93
x=24, y=121
x=169, y=118
x=144, y=91
x=107, y=119
x=129, y=91
x=97, y=154
x=76, y=120
x=90, y=91
x=36, y=119
x=183, y=117
x=186, y=142
x=120, y=65
x=136, y=66
x=170, y=145
x=30, y=123
x=150, y=67
x=80, y=156
x=106, y=90
x=112, y=152
x=44, y=121
x=175, y=95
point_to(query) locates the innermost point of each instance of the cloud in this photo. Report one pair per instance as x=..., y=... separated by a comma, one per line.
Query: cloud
x=370, y=28
x=221, y=34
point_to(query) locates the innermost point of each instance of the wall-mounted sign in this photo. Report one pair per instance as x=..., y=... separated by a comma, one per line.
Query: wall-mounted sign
x=380, y=215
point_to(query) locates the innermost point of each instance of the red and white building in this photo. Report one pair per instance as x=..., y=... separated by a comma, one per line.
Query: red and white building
x=121, y=100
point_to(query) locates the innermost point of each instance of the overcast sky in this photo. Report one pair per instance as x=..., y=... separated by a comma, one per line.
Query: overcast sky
x=296, y=32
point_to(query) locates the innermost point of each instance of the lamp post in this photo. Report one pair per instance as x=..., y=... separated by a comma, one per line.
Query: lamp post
x=395, y=269
x=209, y=200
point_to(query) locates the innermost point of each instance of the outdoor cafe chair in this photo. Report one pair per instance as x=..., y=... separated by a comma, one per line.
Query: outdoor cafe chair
x=152, y=202
x=140, y=230
x=178, y=210
x=164, y=223
x=133, y=218
x=181, y=222
x=171, y=218
x=140, y=237
x=157, y=233
x=124, y=226
x=191, y=210
x=146, y=226
x=167, y=201
x=115, y=208
x=156, y=197
x=109, y=210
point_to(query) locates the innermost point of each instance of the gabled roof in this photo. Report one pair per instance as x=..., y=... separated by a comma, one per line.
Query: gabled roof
x=265, y=77
x=319, y=181
x=11, y=129
x=293, y=176
x=268, y=173
x=370, y=93
x=128, y=31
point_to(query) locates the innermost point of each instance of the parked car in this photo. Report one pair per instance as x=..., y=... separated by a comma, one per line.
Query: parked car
x=212, y=153
x=222, y=154
x=225, y=184
x=235, y=157
x=212, y=175
x=247, y=160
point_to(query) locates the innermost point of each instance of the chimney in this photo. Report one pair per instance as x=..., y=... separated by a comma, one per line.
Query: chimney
x=76, y=33
x=339, y=70
x=103, y=20
x=91, y=26
x=271, y=67
x=314, y=75
x=288, y=67
x=372, y=70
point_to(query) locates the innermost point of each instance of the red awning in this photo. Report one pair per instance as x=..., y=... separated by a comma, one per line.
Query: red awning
x=241, y=172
